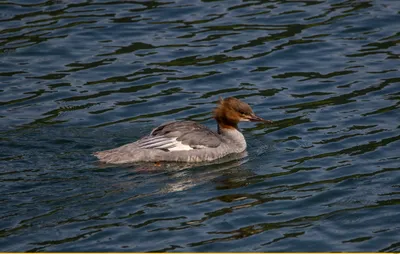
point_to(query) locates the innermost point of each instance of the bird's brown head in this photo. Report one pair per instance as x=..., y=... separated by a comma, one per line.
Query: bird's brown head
x=231, y=111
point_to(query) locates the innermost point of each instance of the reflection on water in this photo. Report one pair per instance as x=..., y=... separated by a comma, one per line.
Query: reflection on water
x=179, y=177
x=82, y=76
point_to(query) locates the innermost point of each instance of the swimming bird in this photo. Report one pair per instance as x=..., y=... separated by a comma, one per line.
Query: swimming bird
x=189, y=141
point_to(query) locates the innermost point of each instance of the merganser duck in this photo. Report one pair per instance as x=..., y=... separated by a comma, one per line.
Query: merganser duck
x=188, y=141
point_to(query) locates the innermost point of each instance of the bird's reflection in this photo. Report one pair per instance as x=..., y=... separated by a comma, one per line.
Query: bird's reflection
x=232, y=167
x=172, y=177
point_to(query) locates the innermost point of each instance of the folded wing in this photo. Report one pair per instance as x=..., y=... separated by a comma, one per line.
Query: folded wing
x=180, y=136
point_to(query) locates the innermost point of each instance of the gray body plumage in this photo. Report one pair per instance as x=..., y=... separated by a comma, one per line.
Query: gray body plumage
x=181, y=141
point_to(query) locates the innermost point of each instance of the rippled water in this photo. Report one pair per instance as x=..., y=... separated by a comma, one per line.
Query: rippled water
x=81, y=76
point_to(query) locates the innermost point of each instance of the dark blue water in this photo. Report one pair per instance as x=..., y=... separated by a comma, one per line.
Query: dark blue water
x=81, y=76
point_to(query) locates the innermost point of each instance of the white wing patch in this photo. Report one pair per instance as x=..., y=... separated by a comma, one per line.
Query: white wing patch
x=161, y=142
x=180, y=147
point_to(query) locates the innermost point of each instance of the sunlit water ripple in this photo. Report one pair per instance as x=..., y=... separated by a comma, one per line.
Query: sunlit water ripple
x=82, y=76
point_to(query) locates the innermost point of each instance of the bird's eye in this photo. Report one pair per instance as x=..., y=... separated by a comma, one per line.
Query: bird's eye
x=242, y=113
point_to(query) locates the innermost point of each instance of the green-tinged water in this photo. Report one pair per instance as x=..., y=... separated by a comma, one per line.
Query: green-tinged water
x=81, y=76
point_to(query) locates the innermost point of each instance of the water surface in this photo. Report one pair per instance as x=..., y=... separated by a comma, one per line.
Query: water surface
x=82, y=76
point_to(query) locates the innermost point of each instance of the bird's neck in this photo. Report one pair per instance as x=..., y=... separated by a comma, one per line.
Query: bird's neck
x=225, y=123
x=223, y=127
x=233, y=136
